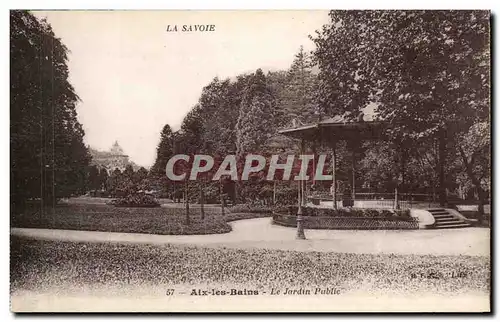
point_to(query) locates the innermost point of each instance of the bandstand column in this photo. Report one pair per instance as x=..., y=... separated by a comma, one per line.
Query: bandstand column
x=304, y=189
x=353, y=170
x=354, y=147
x=334, y=179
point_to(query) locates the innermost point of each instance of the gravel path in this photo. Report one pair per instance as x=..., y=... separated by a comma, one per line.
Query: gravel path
x=260, y=233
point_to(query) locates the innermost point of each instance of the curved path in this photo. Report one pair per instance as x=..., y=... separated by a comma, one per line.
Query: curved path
x=260, y=233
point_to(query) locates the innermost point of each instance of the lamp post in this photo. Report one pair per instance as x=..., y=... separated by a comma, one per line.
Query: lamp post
x=300, y=219
x=222, y=201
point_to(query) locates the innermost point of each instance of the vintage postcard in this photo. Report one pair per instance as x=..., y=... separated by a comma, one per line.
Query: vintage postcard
x=250, y=161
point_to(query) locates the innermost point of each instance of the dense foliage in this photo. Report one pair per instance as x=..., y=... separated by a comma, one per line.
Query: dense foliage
x=48, y=156
x=426, y=73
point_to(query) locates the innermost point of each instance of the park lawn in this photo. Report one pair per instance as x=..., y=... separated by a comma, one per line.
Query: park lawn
x=101, y=217
x=95, y=217
x=38, y=265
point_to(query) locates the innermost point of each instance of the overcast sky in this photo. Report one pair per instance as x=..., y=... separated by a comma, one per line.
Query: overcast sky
x=133, y=76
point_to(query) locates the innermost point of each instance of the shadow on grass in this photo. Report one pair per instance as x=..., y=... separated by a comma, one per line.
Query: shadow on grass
x=94, y=217
x=102, y=217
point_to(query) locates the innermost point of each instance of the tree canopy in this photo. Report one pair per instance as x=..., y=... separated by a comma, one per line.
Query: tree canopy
x=426, y=73
x=48, y=156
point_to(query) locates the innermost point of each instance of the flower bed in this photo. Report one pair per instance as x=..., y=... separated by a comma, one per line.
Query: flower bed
x=354, y=223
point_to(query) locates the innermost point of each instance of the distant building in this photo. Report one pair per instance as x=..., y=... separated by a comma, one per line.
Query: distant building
x=113, y=159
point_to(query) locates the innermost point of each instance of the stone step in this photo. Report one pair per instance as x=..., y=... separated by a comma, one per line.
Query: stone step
x=447, y=222
x=458, y=225
x=445, y=219
x=436, y=210
x=443, y=216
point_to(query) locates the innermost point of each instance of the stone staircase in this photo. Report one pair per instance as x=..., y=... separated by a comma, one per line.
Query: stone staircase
x=445, y=219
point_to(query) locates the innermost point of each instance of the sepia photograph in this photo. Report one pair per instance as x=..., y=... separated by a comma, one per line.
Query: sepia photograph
x=250, y=161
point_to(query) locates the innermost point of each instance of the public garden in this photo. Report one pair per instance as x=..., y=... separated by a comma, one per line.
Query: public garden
x=406, y=212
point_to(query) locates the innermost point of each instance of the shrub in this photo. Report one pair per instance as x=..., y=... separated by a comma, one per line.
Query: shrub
x=136, y=200
x=251, y=209
x=350, y=223
x=402, y=214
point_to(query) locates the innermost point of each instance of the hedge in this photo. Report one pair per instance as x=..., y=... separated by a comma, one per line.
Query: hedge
x=354, y=223
x=136, y=201
x=245, y=208
x=401, y=214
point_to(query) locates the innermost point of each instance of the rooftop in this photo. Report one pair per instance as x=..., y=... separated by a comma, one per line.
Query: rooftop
x=338, y=128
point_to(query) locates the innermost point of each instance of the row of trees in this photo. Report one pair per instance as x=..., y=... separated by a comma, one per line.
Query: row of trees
x=231, y=117
x=426, y=72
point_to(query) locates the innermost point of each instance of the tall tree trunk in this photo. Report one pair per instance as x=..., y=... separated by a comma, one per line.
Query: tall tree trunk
x=235, y=201
x=202, y=200
x=274, y=192
x=482, y=201
x=186, y=200
x=222, y=203
x=441, y=168
x=476, y=182
x=174, y=194
x=404, y=161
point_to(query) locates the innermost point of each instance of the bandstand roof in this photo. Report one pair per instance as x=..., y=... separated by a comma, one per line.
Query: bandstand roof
x=339, y=129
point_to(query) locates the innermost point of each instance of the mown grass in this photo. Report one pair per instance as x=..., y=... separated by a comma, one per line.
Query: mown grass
x=39, y=264
x=232, y=216
x=94, y=217
x=101, y=217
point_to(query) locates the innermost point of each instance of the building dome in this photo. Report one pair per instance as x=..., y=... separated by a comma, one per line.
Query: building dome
x=116, y=149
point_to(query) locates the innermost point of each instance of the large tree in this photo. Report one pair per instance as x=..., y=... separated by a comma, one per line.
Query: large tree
x=217, y=108
x=103, y=174
x=48, y=156
x=428, y=71
x=474, y=149
x=256, y=115
x=93, y=179
x=298, y=101
x=164, y=151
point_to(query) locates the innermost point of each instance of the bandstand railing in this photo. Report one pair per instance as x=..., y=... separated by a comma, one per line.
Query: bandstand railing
x=378, y=200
